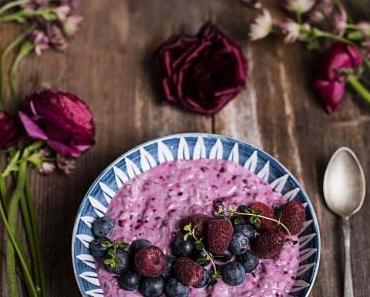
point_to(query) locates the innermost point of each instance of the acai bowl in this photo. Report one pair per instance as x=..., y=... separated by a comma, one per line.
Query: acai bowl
x=149, y=191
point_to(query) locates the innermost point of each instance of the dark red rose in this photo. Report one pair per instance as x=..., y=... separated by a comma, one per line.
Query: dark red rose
x=201, y=73
x=9, y=131
x=60, y=119
x=331, y=83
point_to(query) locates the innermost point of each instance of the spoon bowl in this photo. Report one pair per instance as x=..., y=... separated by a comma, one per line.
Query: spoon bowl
x=344, y=183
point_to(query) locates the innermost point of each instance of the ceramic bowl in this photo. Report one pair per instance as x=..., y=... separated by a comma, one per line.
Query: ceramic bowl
x=189, y=146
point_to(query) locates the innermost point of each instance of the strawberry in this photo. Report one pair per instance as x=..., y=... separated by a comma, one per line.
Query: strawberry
x=219, y=235
x=198, y=220
x=150, y=261
x=269, y=244
x=266, y=211
x=189, y=272
x=293, y=215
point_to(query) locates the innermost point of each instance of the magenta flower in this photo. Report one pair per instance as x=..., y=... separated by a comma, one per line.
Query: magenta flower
x=201, y=73
x=9, y=131
x=331, y=82
x=60, y=119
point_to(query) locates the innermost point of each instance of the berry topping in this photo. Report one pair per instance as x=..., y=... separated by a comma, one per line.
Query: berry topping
x=188, y=272
x=247, y=230
x=150, y=261
x=200, y=256
x=264, y=210
x=175, y=288
x=249, y=261
x=226, y=256
x=182, y=247
x=170, y=261
x=98, y=248
x=239, y=244
x=198, y=220
x=233, y=273
x=219, y=235
x=102, y=226
x=269, y=244
x=205, y=281
x=293, y=215
x=116, y=261
x=138, y=244
x=151, y=287
x=128, y=280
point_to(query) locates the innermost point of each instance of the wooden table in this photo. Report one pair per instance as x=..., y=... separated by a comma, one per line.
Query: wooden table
x=109, y=65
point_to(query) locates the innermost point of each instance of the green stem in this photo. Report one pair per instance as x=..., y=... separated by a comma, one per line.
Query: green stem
x=323, y=34
x=358, y=87
x=22, y=16
x=12, y=245
x=3, y=191
x=13, y=4
x=4, y=53
x=37, y=258
x=25, y=49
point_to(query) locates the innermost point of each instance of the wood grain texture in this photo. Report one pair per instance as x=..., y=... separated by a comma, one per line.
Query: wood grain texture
x=109, y=65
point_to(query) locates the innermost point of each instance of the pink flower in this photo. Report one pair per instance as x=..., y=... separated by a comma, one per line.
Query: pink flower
x=201, y=73
x=340, y=20
x=300, y=6
x=62, y=12
x=40, y=41
x=364, y=28
x=9, y=131
x=60, y=119
x=290, y=29
x=72, y=24
x=262, y=26
x=331, y=83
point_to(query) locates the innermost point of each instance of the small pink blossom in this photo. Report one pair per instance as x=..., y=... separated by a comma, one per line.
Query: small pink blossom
x=62, y=12
x=72, y=24
x=66, y=165
x=47, y=168
x=40, y=41
x=320, y=11
x=364, y=28
x=262, y=26
x=290, y=29
x=340, y=20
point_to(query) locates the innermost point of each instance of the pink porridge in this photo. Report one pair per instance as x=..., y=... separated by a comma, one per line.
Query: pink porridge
x=151, y=205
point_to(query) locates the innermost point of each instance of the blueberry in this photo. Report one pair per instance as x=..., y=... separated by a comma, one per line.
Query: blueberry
x=170, y=260
x=225, y=257
x=151, y=287
x=128, y=280
x=247, y=229
x=249, y=261
x=205, y=280
x=233, y=273
x=174, y=288
x=182, y=247
x=122, y=261
x=97, y=249
x=239, y=244
x=138, y=244
x=200, y=257
x=102, y=226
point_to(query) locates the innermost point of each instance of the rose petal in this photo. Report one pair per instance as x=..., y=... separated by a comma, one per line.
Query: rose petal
x=32, y=129
x=331, y=93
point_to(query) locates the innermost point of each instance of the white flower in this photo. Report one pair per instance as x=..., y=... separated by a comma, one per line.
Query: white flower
x=300, y=6
x=62, y=12
x=47, y=168
x=290, y=29
x=72, y=24
x=364, y=28
x=262, y=26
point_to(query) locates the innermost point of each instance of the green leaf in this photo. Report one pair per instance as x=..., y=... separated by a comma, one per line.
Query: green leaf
x=188, y=227
x=199, y=245
x=186, y=236
x=122, y=245
x=106, y=244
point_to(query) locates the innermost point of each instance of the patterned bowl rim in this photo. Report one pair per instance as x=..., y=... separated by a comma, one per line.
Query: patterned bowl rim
x=197, y=135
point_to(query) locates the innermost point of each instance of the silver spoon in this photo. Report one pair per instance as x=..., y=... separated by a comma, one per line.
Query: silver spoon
x=344, y=192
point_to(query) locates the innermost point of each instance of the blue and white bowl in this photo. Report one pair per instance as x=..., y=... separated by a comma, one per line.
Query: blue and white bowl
x=189, y=146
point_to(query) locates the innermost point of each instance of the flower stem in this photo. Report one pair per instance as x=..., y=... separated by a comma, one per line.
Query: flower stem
x=209, y=255
x=358, y=87
x=3, y=191
x=12, y=245
x=13, y=4
x=5, y=52
x=324, y=34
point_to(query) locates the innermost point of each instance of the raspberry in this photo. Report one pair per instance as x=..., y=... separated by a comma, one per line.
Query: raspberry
x=269, y=244
x=189, y=272
x=219, y=235
x=265, y=211
x=150, y=261
x=293, y=215
x=198, y=220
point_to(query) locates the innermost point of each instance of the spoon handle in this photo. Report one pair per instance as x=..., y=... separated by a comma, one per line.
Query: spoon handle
x=348, y=283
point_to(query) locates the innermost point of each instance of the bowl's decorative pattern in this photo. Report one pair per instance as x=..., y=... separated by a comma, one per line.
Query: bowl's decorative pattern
x=189, y=146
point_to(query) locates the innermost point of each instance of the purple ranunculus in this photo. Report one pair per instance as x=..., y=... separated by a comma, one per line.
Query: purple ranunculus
x=331, y=82
x=201, y=73
x=60, y=119
x=9, y=131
